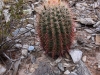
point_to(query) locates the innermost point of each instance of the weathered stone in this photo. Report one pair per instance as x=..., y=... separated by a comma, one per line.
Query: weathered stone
x=60, y=66
x=86, y=21
x=76, y=55
x=24, y=52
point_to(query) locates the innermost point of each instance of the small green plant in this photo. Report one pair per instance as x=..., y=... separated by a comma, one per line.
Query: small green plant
x=55, y=28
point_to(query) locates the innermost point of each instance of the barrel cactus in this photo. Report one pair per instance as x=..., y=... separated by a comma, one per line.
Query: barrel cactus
x=55, y=28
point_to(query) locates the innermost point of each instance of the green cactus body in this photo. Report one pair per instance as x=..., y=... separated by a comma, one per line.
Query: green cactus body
x=55, y=30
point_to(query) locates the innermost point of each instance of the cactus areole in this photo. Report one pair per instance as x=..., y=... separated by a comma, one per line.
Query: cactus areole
x=55, y=28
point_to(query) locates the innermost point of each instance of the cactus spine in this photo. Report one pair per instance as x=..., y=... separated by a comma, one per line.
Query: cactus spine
x=55, y=28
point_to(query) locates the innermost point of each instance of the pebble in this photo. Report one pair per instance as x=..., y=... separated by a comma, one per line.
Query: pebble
x=24, y=52
x=2, y=69
x=86, y=21
x=33, y=31
x=76, y=55
x=98, y=30
x=88, y=37
x=66, y=72
x=97, y=24
x=58, y=60
x=27, y=11
x=31, y=48
x=18, y=46
x=84, y=58
x=19, y=31
x=60, y=66
x=27, y=34
x=6, y=15
x=25, y=46
x=29, y=26
x=18, y=41
x=89, y=31
x=66, y=65
x=57, y=71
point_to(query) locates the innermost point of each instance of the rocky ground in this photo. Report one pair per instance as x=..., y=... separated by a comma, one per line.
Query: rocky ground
x=28, y=58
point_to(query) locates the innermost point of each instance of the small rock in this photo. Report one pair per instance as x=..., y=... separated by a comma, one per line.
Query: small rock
x=31, y=70
x=76, y=55
x=66, y=72
x=25, y=46
x=37, y=43
x=33, y=31
x=18, y=41
x=29, y=26
x=97, y=24
x=80, y=41
x=60, y=66
x=58, y=60
x=88, y=30
x=33, y=58
x=1, y=4
x=72, y=73
x=57, y=71
x=88, y=37
x=19, y=31
x=31, y=48
x=27, y=11
x=86, y=21
x=27, y=34
x=2, y=70
x=66, y=65
x=98, y=30
x=84, y=58
x=6, y=15
x=24, y=52
x=98, y=66
x=18, y=46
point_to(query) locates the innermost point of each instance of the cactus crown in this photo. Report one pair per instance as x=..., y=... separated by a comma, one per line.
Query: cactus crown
x=55, y=28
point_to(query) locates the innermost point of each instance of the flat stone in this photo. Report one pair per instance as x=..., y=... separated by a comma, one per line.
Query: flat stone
x=28, y=34
x=86, y=21
x=25, y=46
x=89, y=31
x=76, y=55
x=58, y=60
x=67, y=65
x=97, y=30
x=97, y=24
x=66, y=72
x=19, y=31
x=33, y=31
x=60, y=66
x=29, y=26
x=18, y=46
